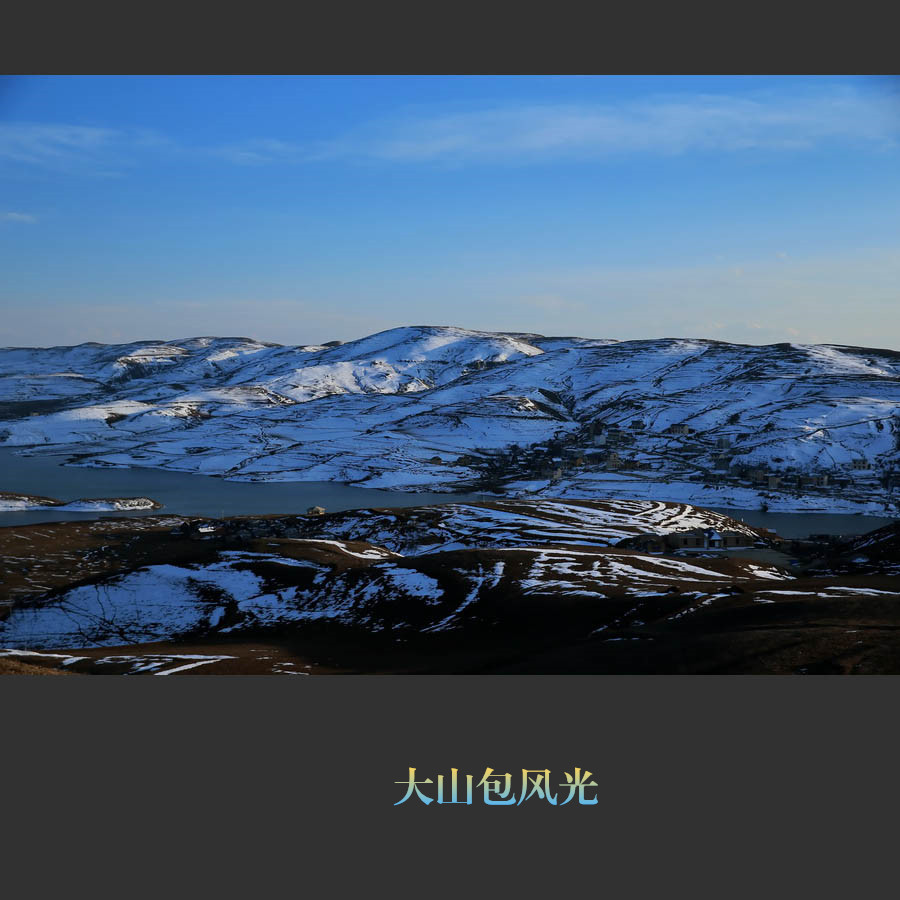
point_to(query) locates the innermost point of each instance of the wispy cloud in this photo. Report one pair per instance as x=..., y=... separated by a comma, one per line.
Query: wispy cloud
x=263, y=151
x=710, y=124
x=22, y=218
x=54, y=145
x=518, y=133
x=660, y=125
x=78, y=149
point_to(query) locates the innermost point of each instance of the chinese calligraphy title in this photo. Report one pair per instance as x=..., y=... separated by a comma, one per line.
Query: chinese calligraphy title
x=497, y=790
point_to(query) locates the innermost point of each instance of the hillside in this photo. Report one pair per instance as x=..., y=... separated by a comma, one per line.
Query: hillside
x=501, y=586
x=497, y=587
x=875, y=553
x=504, y=566
x=45, y=559
x=798, y=427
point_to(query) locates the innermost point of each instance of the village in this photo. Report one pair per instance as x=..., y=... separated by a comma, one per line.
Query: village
x=631, y=448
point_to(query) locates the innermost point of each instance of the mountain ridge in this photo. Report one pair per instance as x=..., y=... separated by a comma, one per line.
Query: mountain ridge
x=447, y=408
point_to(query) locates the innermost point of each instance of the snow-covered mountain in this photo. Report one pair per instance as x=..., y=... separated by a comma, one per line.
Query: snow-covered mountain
x=440, y=408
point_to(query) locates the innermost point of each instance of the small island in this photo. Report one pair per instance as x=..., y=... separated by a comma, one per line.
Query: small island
x=12, y=502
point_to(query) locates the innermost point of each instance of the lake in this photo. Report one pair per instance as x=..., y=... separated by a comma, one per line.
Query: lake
x=183, y=493
x=188, y=494
x=801, y=525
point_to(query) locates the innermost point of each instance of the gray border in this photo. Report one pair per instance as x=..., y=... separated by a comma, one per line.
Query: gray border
x=708, y=780
x=713, y=785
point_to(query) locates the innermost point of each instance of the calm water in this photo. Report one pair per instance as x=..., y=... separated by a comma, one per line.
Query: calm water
x=201, y=495
x=183, y=493
x=800, y=525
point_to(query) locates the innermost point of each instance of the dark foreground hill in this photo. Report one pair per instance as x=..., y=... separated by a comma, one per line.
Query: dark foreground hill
x=525, y=587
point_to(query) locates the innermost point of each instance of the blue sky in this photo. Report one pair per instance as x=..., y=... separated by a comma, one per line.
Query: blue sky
x=750, y=209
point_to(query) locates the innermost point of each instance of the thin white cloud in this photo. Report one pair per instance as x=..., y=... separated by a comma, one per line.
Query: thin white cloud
x=660, y=125
x=53, y=144
x=511, y=134
x=19, y=217
x=261, y=152
x=79, y=149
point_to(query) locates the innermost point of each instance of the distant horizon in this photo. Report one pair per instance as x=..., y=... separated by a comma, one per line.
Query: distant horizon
x=507, y=332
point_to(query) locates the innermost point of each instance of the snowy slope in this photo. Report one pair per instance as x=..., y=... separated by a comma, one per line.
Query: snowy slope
x=436, y=407
x=248, y=591
x=505, y=567
x=519, y=523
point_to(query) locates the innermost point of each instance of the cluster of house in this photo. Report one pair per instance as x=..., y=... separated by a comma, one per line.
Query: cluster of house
x=598, y=445
x=554, y=467
x=791, y=480
x=613, y=435
x=603, y=434
x=601, y=444
x=776, y=480
x=695, y=539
